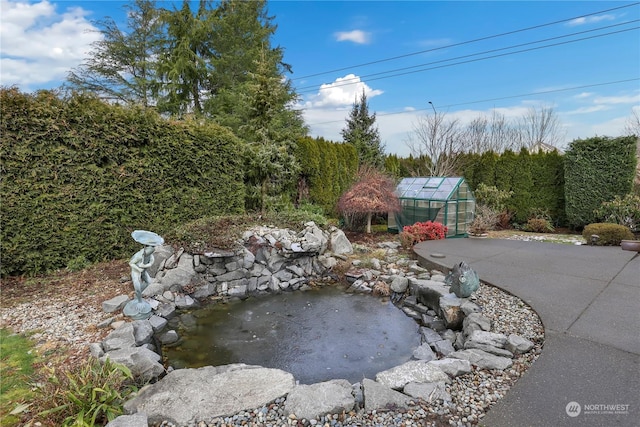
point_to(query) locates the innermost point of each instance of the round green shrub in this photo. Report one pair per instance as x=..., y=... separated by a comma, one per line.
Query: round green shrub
x=608, y=234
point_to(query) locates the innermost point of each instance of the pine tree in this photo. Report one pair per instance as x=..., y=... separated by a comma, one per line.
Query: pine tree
x=362, y=133
x=122, y=66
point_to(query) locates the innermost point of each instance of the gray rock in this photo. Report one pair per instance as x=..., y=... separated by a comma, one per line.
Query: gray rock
x=157, y=323
x=452, y=367
x=143, y=363
x=424, y=352
x=488, y=348
x=96, y=350
x=518, y=345
x=160, y=255
x=311, y=401
x=430, y=392
x=185, y=302
x=475, y=322
x=486, y=338
x=399, y=284
x=482, y=359
x=114, y=304
x=123, y=337
x=105, y=323
x=444, y=347
x=186, y=396
x=469, y=307
x=176, y=277
x=135, y=420
x=167, y=310
x=378, y=396
x=428, y=292
x=429, y=335
x=451, y=311
x=412, y=371
x=142, y=331
x=340, y=245
x=169, y=337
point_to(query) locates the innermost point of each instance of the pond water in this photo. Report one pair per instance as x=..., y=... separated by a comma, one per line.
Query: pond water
x=316, y=335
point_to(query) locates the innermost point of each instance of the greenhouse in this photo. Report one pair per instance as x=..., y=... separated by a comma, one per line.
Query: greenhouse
x=448, y=200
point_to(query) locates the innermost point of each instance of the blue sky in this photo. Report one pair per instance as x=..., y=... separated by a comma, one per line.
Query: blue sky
x=421, y=51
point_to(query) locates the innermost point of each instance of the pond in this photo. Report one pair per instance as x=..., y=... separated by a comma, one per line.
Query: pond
x=316, y=335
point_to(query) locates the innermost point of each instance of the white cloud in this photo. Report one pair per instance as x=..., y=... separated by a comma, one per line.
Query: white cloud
x=623, y=99
x=356, y=36
x=40, y=45
x=587, y=110
x=584, y=95
x=590, y=20
x=343, y=92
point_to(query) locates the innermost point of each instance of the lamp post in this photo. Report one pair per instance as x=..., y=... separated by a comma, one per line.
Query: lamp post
x=434, y=108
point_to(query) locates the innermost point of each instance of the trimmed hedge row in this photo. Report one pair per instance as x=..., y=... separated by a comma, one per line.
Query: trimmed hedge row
x=536, y=180
x=328, y=170
x=597, y=170
x=78, y=175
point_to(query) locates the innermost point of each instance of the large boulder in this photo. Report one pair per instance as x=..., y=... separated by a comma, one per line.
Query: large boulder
x=413, y=371
x=186, y=396
x=378, y=396
x=482, y=359
x=311, y=401
x=340, y=245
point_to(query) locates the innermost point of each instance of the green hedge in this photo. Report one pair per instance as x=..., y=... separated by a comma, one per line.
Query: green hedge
x=597, y=170
x=78, y=175
x=608, y=234
x=329, y=170
x=536, y=180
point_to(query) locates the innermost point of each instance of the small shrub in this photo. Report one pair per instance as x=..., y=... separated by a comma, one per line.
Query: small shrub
x=621, y=210
x=421, y=231
x=539, y=225
x=539, y=222
x=484, y=219
x=490, y=196
x=92, y=394
x=608, y=234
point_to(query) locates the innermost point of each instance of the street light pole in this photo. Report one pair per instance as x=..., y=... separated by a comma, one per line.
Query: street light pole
x=434, y=108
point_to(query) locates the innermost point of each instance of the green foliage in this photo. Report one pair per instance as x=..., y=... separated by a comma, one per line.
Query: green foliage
x=621, y=210
x=79, y=175
x=596, y=170
x=327, y=170
x=608, y=234
x=16, y=368
x=539, y=222
x=361, y=132
x=89, y=395
x=490, y=196
x=534, y=181
x=121, y=65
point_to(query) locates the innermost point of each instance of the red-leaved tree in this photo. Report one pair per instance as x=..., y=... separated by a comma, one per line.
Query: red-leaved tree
x=373, y=193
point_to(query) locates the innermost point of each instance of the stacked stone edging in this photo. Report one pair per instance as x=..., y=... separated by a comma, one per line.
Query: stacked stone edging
x=455, y=335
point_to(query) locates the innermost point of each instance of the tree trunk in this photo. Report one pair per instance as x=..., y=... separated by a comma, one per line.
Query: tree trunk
x=369, y=215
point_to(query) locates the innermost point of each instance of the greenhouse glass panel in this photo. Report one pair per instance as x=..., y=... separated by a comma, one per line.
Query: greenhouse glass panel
x=447, y=200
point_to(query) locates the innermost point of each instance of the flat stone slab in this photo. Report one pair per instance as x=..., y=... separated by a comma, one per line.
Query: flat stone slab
x=419, y=371
x=329, y=397
x=186, y=396
x=378, y=396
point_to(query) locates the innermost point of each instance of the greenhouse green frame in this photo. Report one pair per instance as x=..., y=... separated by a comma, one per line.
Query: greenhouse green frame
x=448, y=200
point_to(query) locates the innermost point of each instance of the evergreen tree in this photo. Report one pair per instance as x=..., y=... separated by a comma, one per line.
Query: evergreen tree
x=271, y=129
x=362, y=133
x=122, y=65
x=184, y=62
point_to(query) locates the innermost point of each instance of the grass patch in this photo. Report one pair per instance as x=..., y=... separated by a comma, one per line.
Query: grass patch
x=17, y=357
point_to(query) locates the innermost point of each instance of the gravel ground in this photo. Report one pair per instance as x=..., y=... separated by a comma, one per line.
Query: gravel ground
x=69, y=322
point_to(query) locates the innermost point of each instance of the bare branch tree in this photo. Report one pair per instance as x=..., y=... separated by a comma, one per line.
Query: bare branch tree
x=632, y=125
x=440, y=139
x=491, y=133
x=540, y=126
